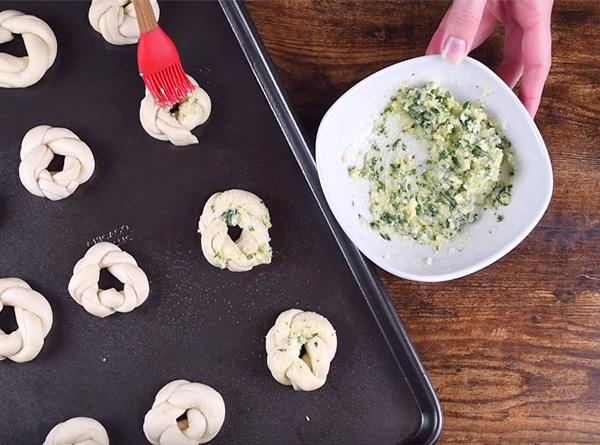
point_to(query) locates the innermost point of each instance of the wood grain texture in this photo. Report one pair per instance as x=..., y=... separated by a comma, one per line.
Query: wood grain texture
x=514, y=350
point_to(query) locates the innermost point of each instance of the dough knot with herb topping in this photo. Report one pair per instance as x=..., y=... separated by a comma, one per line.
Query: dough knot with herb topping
x=174, y=124
x=40, y=44
x=39, y=147
x=246, y=211
x=116, y=20
x=184, y=413
x=300, y=348
x=84, y=289
x=34, y=320
x=77, y=431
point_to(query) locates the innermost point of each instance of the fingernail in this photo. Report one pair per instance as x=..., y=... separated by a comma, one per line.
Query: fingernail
x=454, y=50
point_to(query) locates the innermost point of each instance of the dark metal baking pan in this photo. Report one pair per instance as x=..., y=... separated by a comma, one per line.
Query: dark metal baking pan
x=199, y=323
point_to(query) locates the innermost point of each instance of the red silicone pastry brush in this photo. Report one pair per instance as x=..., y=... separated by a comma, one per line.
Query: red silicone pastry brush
x=158, y=59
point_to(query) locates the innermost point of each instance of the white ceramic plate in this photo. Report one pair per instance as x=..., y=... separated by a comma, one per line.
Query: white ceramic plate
x=343, y=138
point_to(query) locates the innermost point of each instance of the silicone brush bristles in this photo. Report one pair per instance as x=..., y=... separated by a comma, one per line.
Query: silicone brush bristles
x=170, y=85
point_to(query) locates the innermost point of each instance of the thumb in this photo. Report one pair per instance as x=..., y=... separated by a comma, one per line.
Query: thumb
x=455, y=36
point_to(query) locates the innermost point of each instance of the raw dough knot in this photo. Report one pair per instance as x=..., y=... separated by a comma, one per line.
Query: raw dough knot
x=116, y=20
x=246, y=211
x=84, y=289
x=77, y=431
x=175, y=124
x=300, y=348
x=184, y=413
x=40, y=43
x=34, y=320
x=38, y=148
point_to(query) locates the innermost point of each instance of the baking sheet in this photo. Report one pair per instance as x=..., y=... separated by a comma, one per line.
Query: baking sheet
x=199, y=323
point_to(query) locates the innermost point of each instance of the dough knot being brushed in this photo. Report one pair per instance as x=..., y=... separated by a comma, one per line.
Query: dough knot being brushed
x=175, y=123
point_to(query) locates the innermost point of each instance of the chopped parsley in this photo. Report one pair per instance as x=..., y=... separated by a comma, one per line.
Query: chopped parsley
x=230, y=217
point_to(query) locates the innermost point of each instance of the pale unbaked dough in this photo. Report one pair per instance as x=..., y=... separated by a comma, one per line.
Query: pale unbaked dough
x=174, y=124
x=83, y=286
x=116, y=20
x=246, y=211
x=38, y=148
x=34, y=320
x=202, y=408
x=40, y=43
x=77, y=431
x=293, y=330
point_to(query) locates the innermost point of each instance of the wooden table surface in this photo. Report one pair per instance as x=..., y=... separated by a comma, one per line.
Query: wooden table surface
x=513, y=350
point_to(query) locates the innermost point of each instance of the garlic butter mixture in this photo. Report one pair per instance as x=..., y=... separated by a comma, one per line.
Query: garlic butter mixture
x=468, y=166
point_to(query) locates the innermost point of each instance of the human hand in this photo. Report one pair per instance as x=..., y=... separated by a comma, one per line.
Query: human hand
x=527, y=41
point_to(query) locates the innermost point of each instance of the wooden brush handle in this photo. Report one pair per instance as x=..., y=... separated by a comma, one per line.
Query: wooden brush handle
x=145, y=15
